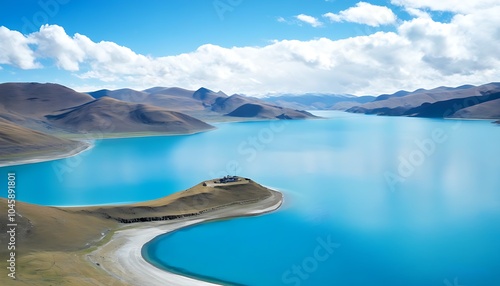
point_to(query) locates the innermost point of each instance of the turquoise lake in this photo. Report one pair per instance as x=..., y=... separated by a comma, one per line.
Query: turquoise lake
x=368, y=200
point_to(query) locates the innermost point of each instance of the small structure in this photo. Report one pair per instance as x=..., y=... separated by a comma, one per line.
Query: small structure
x=226, y=180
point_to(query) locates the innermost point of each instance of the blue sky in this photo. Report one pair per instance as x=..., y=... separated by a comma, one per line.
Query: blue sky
x=254, y=47
x=175, y=26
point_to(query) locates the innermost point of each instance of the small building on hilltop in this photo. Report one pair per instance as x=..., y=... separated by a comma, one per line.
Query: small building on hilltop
x=226, y=180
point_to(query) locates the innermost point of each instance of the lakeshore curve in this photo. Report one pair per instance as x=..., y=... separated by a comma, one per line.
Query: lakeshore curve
x=121, y=257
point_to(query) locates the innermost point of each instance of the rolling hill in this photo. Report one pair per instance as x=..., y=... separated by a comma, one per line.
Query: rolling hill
x=37, y=99
x=427, y=102
x=250, y=107
x=205, y=103
x=487, y=110
x=33, y=116
x=108, y=115
x=268, y=112
x=16, y=140
x=125, y=94
x=174, y=98
x=485, y=106
x=27, y=104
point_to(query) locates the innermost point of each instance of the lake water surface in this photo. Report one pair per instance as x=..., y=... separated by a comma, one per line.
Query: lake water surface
x=368, y=200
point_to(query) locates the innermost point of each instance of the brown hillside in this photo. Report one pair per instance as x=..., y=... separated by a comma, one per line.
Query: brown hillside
x=109, y=115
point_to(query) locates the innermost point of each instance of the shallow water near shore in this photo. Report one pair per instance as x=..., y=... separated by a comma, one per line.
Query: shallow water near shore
x=368, y=200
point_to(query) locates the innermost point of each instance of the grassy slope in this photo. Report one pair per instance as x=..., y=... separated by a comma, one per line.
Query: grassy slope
x=48, y=244
x=19, y=142
x=193, y=201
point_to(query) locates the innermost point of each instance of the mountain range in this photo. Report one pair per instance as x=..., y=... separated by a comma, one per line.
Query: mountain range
x=34, y=116
x=467, y=101
x=205, y=104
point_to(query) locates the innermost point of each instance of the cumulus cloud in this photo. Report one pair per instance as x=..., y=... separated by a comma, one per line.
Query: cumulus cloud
x=53, y=42
x=364, y=13
x=464, y=46
x=15, y=50
x=309, y=20
x=458, y=6
x=417, y=12
x=421, y=52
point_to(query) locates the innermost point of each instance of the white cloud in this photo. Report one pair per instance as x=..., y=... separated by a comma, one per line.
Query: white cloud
x=417, y=12
x=333, y=17
x=421, y=52
x=464, y=46
x=309, y=20
x=364, y=13
x=53, y=42
x=458, y=6
x=15, y=50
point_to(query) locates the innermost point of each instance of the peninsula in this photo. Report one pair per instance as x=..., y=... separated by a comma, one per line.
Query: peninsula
x=101, y=245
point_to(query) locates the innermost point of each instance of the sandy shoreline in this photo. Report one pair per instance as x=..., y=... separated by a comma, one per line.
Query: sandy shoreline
x=121, y=257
